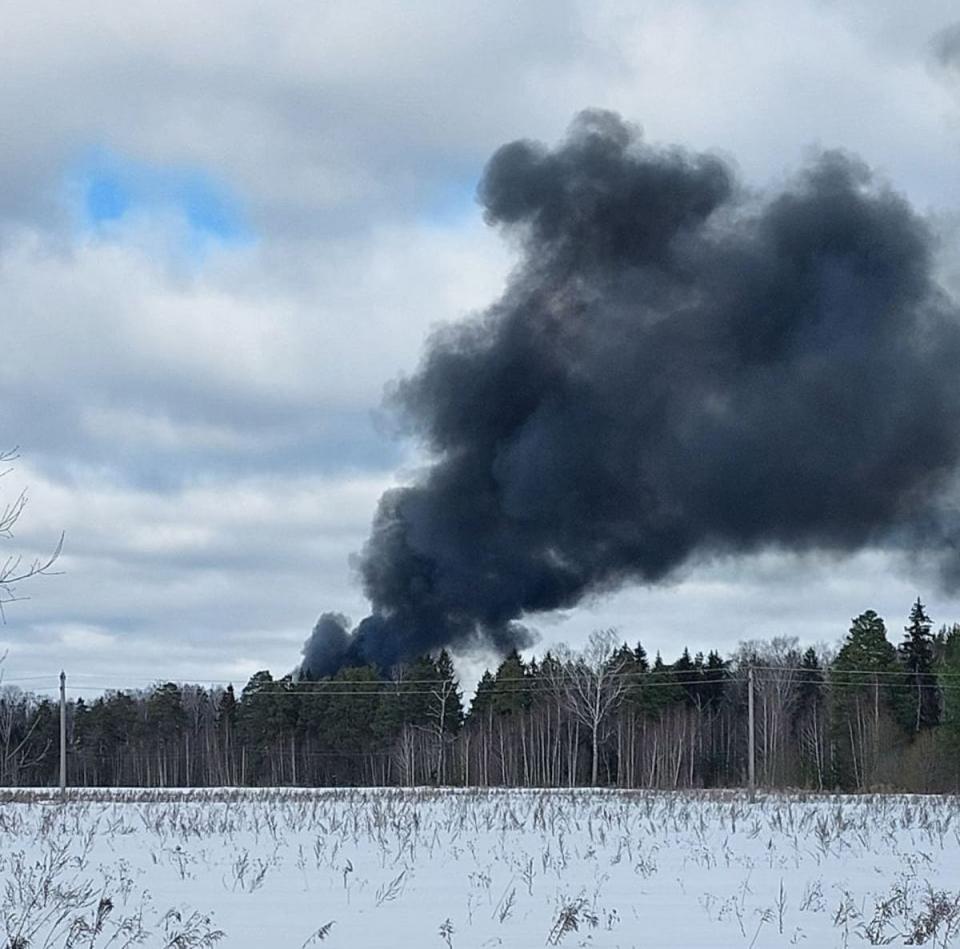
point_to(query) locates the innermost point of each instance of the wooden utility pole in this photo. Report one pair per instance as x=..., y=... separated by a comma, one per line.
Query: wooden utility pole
x=751, y=743
x=63, y=733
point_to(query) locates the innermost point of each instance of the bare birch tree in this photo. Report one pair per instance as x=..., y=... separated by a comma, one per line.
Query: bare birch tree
x=13, y=569
x=590, y=686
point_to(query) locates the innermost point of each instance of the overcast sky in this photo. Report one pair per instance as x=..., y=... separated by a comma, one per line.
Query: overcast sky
x=224, y=228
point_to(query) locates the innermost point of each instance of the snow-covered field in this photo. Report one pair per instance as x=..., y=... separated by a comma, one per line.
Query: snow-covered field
x=466, y=869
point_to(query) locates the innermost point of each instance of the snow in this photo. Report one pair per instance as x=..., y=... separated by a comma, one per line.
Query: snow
x=478, y=868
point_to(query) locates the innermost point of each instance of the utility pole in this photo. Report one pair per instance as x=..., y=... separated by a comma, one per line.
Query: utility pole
x=751, y=743
x=63, y=733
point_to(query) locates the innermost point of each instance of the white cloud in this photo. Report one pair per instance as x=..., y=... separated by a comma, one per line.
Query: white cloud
x=196, y=576
x=718, y=605
x=199, y=425
x=111, y=357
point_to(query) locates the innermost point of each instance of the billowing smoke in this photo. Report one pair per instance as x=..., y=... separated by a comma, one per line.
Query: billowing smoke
x=946, y=46
x=678, y=369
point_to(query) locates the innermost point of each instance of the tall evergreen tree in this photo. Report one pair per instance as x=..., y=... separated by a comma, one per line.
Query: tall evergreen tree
x=483, y=697
x=661, y=691
x=715, y=673
x=811, y=680
x=511, y=685
x=948, y=669
x=922, y=703
x=866, y=647
x=808, y=719
x=447, y=693
x=687, y=673
x=640, y=658
x=226, y=728
x=862, y=680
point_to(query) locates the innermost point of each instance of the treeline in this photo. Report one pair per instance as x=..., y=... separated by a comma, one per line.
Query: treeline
x=872, y=715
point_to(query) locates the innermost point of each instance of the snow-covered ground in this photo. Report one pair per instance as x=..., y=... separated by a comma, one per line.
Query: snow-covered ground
x=465, y=869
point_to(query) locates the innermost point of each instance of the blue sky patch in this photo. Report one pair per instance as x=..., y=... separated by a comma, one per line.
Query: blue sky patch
x=452, y=201
x=111, y=187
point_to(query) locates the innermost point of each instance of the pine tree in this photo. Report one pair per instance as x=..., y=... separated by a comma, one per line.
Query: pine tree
x=916, y=653
x=446, y=711
x=640, y=658
x=716, y=674
x=510, y=685
x=632, y=665
x=448, y=693
x=483, y=697
x=808, y=719
x=948, y=669
x=661, y=691
x=226, y=727
x=866, y=646
x=811, y=680
x=687, y=674
x=862, y=679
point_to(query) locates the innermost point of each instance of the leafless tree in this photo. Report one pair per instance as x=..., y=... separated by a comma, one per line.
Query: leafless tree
x=591, y=686
x=13, y=569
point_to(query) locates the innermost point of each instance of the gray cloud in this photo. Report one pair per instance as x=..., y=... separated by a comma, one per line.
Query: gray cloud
x=178, y=377
x=351, y=137
x=307, y=113
x=946, y=46
x=673, y=372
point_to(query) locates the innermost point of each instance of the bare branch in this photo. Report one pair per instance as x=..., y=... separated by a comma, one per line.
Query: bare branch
x=590, y=686
x=13, y=570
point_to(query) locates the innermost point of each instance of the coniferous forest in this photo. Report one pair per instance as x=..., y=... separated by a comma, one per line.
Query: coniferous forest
x=880, y=712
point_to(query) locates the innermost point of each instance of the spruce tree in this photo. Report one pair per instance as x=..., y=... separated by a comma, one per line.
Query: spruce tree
x=686, y=674
x=226, y=727
x=483, y=697
x=640, y=658
x=662, y=690
x=811, y=680
x=916, y=653
x=510, y=685
x=448, y=693
x=808, y=719
x=716, y=674
x=631, y=666
x=948, y=670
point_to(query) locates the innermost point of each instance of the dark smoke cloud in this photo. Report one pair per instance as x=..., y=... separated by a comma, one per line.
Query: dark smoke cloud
x=676, y=370
x=946, y=46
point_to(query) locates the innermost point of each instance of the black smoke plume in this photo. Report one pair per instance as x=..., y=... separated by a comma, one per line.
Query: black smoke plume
x=678, y=369
x=946, y=47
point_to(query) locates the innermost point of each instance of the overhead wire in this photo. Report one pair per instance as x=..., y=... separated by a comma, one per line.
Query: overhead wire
x=648, y=678
x=729, y=669
x=387, y=689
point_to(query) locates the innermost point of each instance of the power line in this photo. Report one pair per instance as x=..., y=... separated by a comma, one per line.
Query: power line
x=845, y=677
x=389, y=690
x=729, y=670
x=5, y=679
x=388, y=687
